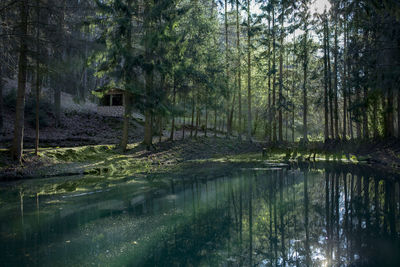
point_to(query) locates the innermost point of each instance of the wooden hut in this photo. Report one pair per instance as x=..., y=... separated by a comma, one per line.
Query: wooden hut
x=112, y=103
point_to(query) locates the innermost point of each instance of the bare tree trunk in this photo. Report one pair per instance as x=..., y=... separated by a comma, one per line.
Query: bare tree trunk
x=231, y=114
x=287, y=97
x=127, y=97
x=305, y=72
x=239, y=70
x=389, y=125
x=268, y=123
x=127, y=116
x=330, y=82
x=160, y=129
x=148, y=135
x=57, y=105
x=148, y=129
x=17, y=149
x=398, y=113
x=173, y=115
x=215, y=122
x=345, y=83
x=205, y=129
x=358, y=123
x=274, y=137
x=280, y=101
x=228, y=117
x=350, y=121
x=57, y=92
x=375, y=118
x=37, y=107
x=197, y=112
x=192, y=123
x=37, y=78
x=293, y=85
x=326, y=111
x=255, y=124
x=1, y=99
x=365, y=115
x=336, y=80
x=249, y=73
x=184, y=117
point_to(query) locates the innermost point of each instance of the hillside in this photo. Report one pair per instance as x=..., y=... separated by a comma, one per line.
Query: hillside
x=80, y=123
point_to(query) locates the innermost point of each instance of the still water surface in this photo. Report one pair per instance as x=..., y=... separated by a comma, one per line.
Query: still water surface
x=267, y=216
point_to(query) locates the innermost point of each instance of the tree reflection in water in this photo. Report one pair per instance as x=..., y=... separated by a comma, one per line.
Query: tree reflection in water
x=318, y=217
x=303, y=216
x=300, y=215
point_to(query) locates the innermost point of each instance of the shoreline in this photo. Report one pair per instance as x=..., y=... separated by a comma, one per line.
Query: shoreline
x=100, y=159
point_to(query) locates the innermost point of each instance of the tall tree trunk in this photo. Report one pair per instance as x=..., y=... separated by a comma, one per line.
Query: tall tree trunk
x=17, y=149
x=358, y=122
x=274, y=137
x=326, y=111
x=215, y=121
x=330, y=81
x=37, y=78
x=126, y=96
x=365, y=94
x=228, y=117
x=160, y=129
x=148, y=129
x=231, y=113
x=127, y=116
x=173, y=113
x=239, y=74
x=336, y=79
x=375, y=118
x=62, y=55
x=345, y=83
x=249, y=72
x=255, y=124
x=57, y=104
x=350, y=118
x=184, y=117
x=197, y=113
x=305, y=72
x=398, y=113
x=269, y=125
x=205, y=129
x=389, y=125
x=1, y=98
x=192, y=123
x=280, y=101
x=365, y=114
x=148, y=135
x=294, y=84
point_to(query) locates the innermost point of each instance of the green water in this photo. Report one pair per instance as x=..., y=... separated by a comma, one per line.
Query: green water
x=332, y=215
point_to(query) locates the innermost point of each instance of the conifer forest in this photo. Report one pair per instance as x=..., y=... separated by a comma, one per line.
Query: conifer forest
x=199, y=132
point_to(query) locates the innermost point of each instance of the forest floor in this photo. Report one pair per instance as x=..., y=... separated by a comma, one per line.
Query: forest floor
x=184, y=155
x=382, y=154
x=137, y=161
